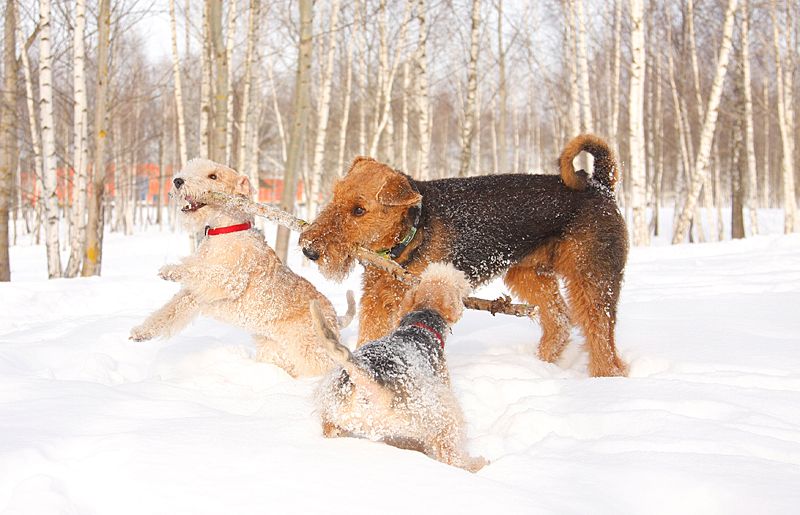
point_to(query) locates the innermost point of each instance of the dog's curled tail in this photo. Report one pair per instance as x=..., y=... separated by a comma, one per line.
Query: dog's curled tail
x=344, y=320
x=605, y=166
x=334, y=348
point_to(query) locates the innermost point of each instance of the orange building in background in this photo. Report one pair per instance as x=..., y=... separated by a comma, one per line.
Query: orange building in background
x=145, y=185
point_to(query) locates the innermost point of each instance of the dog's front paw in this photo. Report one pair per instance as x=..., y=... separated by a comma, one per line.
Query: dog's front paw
x=170, y=272
x=141, y=333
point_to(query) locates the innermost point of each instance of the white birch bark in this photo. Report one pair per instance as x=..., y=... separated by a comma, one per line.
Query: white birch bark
x=361, y=34
x=693, y=56
x=80, y=155
x=583, y=70
x=229, y=35
x=574, y=115
x=205, y=88
x=277, y=110
x=700, y=175
x=751, y=179
x=254, y=18
x=404, y=118
x=502, y=93
x=615, y=73
x=346, y=100
x=422, y=101
x=786, y=126
x=220, y=58
x=636, y=167
x=467, y=130
x=323, y=116
x=48, y=141
x=176, y=72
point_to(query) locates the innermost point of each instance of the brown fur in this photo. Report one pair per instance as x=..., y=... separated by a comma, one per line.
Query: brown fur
x=534, y=229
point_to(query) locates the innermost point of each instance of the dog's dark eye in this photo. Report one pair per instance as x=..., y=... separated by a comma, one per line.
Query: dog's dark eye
x=359, y=211
x=213, y=177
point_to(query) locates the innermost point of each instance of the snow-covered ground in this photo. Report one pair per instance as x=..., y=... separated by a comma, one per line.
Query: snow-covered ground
x=708, y=421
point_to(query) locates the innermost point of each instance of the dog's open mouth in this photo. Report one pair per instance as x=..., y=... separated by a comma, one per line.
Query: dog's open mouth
x=191, y=206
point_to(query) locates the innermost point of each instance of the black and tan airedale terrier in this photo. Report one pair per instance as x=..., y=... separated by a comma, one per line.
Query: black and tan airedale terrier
x=535, y=228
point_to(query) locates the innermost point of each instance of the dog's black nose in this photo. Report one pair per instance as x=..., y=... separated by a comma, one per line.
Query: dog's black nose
x=178, y=182
x=310, y=253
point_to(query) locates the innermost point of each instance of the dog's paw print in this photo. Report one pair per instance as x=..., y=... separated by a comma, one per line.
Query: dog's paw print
x=170, y=273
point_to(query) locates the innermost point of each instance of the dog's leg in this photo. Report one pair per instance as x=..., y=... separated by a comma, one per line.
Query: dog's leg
x=168, y=320
x=379, y=305
x=540, y=287
x=593, y=293
x=210, y=283
x=447, y=445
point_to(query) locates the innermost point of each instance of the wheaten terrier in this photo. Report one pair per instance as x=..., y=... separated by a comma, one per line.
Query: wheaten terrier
x=235, y=277
x=396, y=389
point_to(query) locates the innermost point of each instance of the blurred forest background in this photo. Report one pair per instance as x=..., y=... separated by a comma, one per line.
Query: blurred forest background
x=103, y=100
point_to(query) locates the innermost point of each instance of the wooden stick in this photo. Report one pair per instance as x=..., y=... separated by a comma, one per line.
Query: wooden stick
x=365, y=256
x=500, y=305
x=248, y=207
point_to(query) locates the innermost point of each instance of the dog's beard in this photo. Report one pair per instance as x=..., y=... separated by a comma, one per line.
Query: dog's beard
x=336, y=270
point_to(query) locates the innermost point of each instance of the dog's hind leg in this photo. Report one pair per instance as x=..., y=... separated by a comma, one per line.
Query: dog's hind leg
x=536, y=284
x=593, y=285
x=171, y=318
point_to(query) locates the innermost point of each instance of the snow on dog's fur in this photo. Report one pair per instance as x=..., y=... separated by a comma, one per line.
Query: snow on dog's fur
x=237, y=278
x=396, y=389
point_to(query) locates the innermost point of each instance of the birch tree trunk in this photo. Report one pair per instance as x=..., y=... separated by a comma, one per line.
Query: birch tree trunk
x=277, y=110
x=404, y=117
x=766, y=166
x=300, y=123
x=346, y=99
x=700, y=174
x=786, y=126
x=255, y=15
x=48, y=141
x=751, y=182
x=570, y=44
x=502, y=115
x=229, y=79
x=636, y=167
x=92, y=261
x=583, y=70
x=176, y=72
x=467, y=131
x=422, y=101
x=614, y=123
x=205, y=87
x=32, y=127
x=8, y=133
x=324, y=111
x=80, y=155
x=220, y=79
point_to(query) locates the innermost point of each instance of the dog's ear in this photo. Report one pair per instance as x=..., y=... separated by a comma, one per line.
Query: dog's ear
x=397, y=191
x=243, y=186
x=359, y=159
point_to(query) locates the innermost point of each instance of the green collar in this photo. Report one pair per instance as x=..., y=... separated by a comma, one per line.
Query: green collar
x=394, y=252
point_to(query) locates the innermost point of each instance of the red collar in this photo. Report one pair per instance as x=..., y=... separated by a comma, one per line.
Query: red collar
x=436, y=333
x=231, y=228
